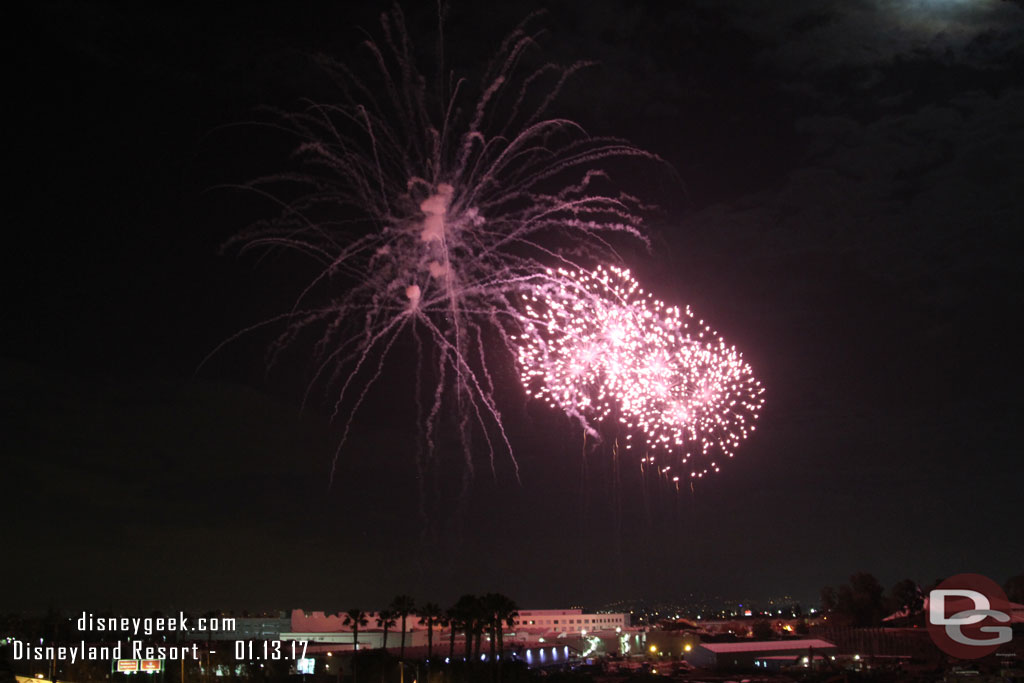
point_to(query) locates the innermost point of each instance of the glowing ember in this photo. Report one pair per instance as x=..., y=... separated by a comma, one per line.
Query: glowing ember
x=598, y=348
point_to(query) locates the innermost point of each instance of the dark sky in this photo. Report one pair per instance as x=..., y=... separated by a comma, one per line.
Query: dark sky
x=851, y=181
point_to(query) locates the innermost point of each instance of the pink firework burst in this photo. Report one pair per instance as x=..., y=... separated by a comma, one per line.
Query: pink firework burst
x=424, y=209
x=600, y=349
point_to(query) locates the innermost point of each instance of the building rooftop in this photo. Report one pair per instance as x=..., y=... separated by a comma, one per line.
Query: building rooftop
x=767, y=645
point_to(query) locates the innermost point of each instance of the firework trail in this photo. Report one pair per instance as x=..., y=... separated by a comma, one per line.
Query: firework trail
x=429, y=211
x=600, y=349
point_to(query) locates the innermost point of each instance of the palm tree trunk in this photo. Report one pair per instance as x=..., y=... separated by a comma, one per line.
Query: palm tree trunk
x=501, y=649
x=355, y=649
x=402, y=655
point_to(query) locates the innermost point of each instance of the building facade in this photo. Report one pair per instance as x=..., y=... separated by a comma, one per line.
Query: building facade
x=570, y=621
x=745, y=655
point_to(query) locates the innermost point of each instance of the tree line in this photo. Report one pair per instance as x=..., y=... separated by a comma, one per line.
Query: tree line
x=472, y=615
x=863, y=602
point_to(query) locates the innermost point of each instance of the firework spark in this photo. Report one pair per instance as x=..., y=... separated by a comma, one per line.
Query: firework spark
x=599, y=348
x=428, y=211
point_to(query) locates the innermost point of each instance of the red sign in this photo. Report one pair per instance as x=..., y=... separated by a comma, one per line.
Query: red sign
x=150, y=664
x=127, y=665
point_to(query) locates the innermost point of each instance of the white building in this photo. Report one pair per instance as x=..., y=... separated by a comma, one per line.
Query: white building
x=751, y=653
x=530, y=628
x=330, y=629
x=571, y=621
x=542, y=636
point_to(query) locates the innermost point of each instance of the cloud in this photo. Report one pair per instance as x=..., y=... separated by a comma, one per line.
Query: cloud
x=917, y=199
x=818, y=35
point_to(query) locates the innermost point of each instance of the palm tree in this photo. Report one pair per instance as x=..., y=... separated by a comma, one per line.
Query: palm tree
x=385, y=620
x=499, y=611
x=403, y=606
x=430, y=616
x=355, y=618
x=468, y=612
x=451, y=620
x=489, y=609
x=507, y=612
x=480, y=624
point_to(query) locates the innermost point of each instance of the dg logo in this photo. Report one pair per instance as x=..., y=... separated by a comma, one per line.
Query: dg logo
x=968, y=616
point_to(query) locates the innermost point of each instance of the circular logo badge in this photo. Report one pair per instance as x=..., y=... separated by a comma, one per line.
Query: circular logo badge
x=968, y=616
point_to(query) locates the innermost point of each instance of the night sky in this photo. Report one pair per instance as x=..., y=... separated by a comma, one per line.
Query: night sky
x=849, y=187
